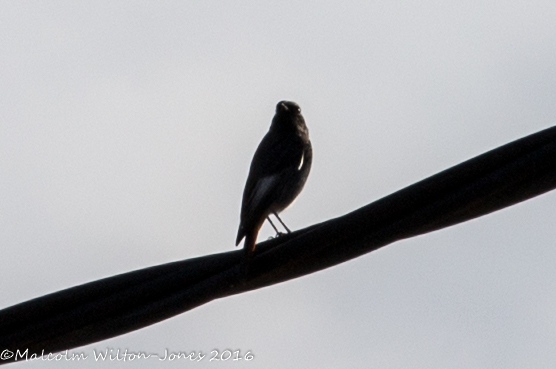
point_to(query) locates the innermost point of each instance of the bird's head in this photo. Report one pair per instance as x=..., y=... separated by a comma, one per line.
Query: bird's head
x=288, y=108
x=288, y=118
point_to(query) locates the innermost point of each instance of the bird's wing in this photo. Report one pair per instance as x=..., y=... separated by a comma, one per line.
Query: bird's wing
x=274, y=159
x=262, y=188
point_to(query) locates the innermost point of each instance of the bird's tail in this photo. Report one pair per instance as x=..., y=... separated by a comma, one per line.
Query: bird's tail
x=249, y=245
x=249, y=248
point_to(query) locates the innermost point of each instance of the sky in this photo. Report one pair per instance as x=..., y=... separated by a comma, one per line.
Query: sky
x=127, y=130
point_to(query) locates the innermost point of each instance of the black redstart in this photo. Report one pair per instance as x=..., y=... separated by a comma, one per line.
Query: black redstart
x=278, y=172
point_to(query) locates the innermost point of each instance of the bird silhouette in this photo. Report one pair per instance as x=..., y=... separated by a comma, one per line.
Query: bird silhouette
x=278, y=172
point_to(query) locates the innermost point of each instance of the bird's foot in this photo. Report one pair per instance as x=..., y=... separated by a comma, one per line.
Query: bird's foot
x=279, y=234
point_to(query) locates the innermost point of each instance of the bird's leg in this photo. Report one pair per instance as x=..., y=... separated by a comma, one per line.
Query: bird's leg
x=277, y=217
x=273, y=226
x=278, y=233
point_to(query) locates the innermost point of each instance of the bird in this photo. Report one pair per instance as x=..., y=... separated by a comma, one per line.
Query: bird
x=278, y=172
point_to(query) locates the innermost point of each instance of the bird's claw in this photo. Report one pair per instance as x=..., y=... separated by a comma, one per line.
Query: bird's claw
x=279, y=234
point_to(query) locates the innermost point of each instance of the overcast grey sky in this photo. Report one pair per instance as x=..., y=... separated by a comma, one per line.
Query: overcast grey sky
x=127, y=129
